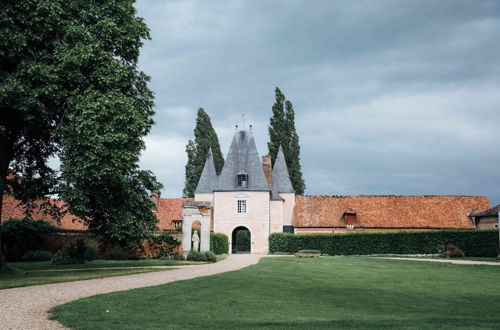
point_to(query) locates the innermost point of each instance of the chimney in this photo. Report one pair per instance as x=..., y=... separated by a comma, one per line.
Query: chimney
x=268, y=171
x=155, y=198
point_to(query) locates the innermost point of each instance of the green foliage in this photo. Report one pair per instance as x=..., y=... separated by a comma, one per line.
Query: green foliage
x=37, y=255
x=178, y=256
x=210, y=256
x=21, y=236
x=70, y=87
x=91, y=248
x=163, y=245
x=282, y=133
x=73, y=253
x=196, y=256
x=219, y=243
x=451, y=251
x=205, y=138
x=481, y=243
x=310, y=251
x=117, y=253
x=202, y=256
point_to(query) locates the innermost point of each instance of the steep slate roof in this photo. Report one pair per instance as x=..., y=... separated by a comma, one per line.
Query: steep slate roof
x=399, y=212
x=281, y=178
x=492, y=211
x=208, y=179
x=242, y=158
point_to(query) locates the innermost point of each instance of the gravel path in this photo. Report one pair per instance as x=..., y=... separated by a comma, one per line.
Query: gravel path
x=28, y=307
x=457, y=262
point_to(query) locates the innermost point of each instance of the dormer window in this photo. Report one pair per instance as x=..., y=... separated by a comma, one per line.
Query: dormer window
x=242, y=180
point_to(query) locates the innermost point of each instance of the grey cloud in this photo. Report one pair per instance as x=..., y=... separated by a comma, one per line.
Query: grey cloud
x=390, y=96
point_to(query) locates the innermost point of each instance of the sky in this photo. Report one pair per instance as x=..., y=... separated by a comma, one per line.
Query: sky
x=391, y=97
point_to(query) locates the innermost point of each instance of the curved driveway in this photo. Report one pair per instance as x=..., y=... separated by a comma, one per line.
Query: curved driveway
x=28, y=307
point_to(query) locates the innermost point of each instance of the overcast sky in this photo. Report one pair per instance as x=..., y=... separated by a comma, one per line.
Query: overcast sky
x=391, y=97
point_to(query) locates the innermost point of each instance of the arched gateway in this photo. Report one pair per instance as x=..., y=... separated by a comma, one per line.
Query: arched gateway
x=241, y=240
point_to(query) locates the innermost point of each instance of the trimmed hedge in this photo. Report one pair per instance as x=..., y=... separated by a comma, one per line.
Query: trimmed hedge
x=219, y=243
x=482, y=243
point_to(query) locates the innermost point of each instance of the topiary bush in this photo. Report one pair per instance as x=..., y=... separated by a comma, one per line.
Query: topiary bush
x=21, y=236
x=70, y=254
x=219, y=243
x=482, y=243
x=38, y=255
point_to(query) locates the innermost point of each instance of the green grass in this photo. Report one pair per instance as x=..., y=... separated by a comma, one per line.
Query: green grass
x=338, y=292
x=44, y=265
x=17, y=279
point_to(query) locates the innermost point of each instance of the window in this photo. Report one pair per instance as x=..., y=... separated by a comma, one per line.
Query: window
x=242, y=180
x=242, y=206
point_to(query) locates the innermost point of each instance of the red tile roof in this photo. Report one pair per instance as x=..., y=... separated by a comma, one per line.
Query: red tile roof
x=12, y=209
x=169, y=209
x=388, y=211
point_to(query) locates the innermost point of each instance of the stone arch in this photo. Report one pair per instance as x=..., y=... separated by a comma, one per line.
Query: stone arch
x=191, y=212
x=240, y=243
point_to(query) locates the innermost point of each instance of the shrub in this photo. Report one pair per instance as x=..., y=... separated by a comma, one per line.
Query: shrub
x=162, y=246
x=451, y=251
x=91, y=250
x=178, y=228
x=117, y=253
x=202, y=256
x=38, y=255
x=210, y=256
x=197, y=256
x=178, y=256
x=219, y=243
x=481, y=243
x=21, y=236
x=70, y=254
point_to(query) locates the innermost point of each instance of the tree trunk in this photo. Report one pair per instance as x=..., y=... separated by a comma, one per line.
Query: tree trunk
x=3, y=176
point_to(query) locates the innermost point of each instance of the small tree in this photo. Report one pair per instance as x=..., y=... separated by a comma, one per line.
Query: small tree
x=205, y=138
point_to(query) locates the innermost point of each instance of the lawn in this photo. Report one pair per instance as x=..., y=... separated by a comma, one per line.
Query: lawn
x=328, y=292
x=36, y=277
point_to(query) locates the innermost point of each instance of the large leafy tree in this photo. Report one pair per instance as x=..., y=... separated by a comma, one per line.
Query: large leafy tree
x=70, y=87
x=205, y=138
x=282, y=132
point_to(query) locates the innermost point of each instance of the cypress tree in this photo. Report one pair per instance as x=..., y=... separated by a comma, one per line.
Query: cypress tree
x=197, y=152
x=282, y=132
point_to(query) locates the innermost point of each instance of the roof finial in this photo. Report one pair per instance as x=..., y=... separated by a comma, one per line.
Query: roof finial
x=250, y=126
x=236, y=127
x=243, y=120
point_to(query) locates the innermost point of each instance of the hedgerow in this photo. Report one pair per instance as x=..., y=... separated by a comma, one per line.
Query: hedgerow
x=483, y=243
x=219, y=243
